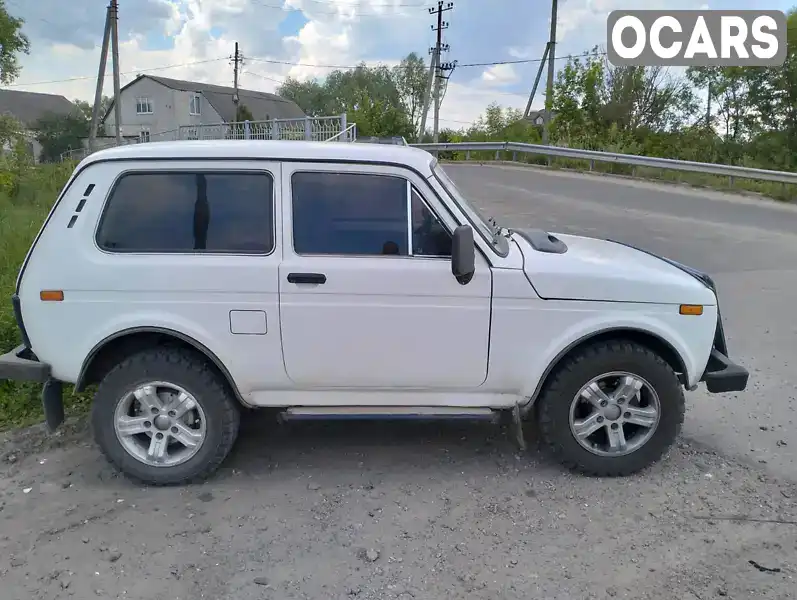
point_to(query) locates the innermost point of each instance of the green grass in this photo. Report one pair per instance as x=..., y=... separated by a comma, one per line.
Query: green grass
x=26, y=196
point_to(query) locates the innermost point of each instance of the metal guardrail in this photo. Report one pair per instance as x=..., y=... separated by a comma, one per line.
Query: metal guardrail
x=612, y=157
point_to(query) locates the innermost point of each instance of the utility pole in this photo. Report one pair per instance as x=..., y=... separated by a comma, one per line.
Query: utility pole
x=549, y=87
x=527, y=112
x=117, y=98
x=708, y=107
x=95, y=111
x=447, y=67
x=237, y=61
x=428, y=95
x=434, y=70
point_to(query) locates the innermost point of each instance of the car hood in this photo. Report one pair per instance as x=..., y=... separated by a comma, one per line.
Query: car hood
x=571, y=267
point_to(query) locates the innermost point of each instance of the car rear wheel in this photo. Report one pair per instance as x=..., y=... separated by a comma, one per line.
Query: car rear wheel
x=611, y=409
x=164, y=416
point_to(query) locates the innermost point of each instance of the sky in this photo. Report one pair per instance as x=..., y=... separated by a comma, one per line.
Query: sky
x=195, y=39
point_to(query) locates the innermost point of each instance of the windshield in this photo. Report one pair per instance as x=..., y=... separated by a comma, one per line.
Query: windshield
x=473, y=214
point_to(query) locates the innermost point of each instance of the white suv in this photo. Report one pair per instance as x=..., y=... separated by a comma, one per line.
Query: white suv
x=189, y=279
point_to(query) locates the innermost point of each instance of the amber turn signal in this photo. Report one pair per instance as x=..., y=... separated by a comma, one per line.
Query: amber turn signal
x=691, y=309
x=51, y=295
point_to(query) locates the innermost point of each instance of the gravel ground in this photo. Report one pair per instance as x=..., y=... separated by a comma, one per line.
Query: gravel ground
x=390, y=510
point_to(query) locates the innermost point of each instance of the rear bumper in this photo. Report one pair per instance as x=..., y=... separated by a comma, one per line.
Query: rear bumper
x=21, y=365
x=723, y=375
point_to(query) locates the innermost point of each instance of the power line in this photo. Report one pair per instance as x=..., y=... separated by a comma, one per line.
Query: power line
x=356, y=2
x=265, y=77
x=459, y=65
x=188, y=64
x=532, y=60
x=386, y=5
x=329, y=12
x=298, y=64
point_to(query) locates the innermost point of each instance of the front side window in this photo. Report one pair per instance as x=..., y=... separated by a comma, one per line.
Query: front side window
x=429, y=235
x=363, y=215
x=144, y=106
x=189, y=212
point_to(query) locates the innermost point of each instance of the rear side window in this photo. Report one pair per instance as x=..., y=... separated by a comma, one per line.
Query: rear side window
x=187, y=212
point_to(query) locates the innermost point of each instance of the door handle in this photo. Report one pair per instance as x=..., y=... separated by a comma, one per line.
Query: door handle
x=317, y=278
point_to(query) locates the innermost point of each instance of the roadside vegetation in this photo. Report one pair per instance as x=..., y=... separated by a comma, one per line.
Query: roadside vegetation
x=27, y=193
x=646, y=111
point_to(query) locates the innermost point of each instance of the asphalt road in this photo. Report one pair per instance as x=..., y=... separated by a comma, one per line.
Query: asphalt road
x=748, y=244
x=410, y=511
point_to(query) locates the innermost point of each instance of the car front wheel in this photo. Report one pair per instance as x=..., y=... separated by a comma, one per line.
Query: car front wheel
x=611, y=409
x=164, y=416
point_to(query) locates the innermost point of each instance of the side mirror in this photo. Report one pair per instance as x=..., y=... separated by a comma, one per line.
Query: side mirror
x=463, y=254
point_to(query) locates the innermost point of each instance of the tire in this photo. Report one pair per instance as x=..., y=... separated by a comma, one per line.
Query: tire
x=217, y=408
x=560, y=396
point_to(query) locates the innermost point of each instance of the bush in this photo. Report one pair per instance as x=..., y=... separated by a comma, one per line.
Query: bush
x=26, y=195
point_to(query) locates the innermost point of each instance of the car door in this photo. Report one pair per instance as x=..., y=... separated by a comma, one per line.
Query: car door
x=367, y=297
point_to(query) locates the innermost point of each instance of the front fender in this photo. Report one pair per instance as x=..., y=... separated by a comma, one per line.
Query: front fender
x=692, y=345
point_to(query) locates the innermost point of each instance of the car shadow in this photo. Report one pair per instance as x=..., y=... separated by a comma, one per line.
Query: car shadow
x=266, y=445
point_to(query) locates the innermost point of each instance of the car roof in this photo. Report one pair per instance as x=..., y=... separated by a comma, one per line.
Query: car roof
x=285, y=150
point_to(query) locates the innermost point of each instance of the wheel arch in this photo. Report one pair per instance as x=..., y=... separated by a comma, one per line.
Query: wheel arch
x=654, y=342
x=114, y=348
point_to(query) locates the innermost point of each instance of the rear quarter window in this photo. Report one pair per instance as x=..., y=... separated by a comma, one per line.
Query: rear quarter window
x=189, y=212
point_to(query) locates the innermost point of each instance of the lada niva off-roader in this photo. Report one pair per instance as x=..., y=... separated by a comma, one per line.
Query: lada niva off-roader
x=189, y=279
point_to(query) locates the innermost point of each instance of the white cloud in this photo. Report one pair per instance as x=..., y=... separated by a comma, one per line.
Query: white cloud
x=500, y=75
x=586, y=19
x=463, y=104
x=521, y=52
x=199, y=37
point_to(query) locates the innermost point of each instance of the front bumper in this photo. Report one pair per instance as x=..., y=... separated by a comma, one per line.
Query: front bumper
x=21, y=365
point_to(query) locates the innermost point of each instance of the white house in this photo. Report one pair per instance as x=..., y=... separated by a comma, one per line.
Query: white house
x=152, y=105
x=29, y=107
x=538, y=116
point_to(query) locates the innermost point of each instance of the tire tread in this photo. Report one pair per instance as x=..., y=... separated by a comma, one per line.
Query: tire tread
x=568, y=370
x=212, y=387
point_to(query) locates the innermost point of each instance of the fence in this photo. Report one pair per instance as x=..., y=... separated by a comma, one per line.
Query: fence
x=592, y=156
x=320, y=129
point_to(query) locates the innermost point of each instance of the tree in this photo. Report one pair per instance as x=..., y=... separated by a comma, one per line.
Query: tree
x=11, y=131
x=379, y=118
x=85, y=110
x=411, y=78
x=12, y=43
x=772, y=105
x=369, y=96
x=309, y=95
x=243, y=113
x=59, y=133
